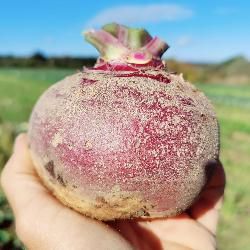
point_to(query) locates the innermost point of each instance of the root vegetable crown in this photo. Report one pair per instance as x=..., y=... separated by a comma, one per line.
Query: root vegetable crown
x=127, y=47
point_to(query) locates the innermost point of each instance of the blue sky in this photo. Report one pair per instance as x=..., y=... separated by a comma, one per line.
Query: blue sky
x=195, y=30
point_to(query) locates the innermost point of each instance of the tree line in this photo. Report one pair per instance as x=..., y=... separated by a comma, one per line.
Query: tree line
x=40, y=60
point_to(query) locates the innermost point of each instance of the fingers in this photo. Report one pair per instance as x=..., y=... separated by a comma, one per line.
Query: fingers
x=18, y=178
x=206, y=209
x=20, y=153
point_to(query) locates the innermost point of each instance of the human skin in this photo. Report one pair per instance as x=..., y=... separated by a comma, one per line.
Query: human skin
x=42, y=222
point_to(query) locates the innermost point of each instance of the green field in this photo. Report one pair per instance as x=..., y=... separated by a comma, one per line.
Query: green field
x=20, y=88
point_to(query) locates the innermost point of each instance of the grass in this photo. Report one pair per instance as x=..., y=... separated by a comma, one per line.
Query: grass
x=20, y=88
x=233, y=109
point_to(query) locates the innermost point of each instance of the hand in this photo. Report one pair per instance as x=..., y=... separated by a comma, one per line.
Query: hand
x=42, y=222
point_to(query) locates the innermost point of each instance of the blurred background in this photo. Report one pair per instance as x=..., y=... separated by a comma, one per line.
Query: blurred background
x=41, y=42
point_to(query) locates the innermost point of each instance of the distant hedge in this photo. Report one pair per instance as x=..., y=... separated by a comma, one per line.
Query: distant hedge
x=39, y=60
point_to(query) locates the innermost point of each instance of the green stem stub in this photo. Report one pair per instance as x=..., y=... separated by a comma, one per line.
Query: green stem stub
x=119, y=43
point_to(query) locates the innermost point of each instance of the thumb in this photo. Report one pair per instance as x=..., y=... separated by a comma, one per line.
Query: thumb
x=18, y=179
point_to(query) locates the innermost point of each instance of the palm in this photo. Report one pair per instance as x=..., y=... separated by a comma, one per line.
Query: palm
x=44, y=223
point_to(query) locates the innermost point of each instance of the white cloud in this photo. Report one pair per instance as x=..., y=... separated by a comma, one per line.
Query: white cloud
x=131, y=14
x=184, y=41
